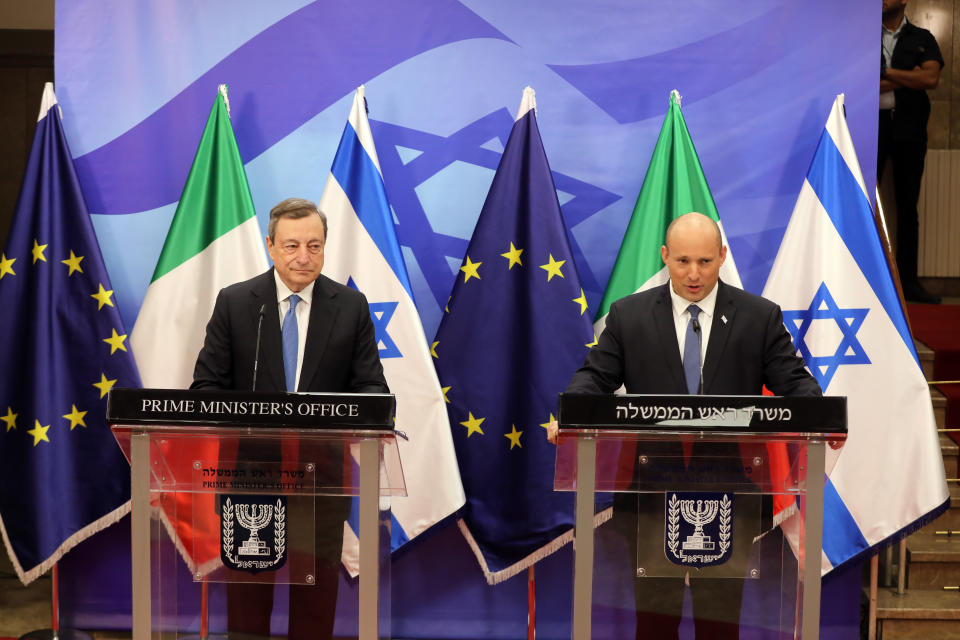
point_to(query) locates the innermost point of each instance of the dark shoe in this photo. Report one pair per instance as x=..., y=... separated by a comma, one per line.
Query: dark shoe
x=914, y=292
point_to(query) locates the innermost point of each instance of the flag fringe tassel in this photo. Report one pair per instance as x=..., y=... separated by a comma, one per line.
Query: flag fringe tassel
x=496, y=577
x=895, y=537
x=779, y=518
x=204, y=569
x=26, y=577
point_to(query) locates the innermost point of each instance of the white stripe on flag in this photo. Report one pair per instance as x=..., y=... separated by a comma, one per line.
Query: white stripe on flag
x=172, y=321
x=889, y=476
x=429, y=462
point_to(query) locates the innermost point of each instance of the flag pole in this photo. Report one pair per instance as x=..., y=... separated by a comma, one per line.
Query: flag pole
x=54, y=632
x=55, y=600
x=881, y=221
x=204, y=609
x=531, y=604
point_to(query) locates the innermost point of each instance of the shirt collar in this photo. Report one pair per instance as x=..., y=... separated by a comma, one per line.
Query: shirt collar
x=680, y=304
x=896, y=33
x=283, y=291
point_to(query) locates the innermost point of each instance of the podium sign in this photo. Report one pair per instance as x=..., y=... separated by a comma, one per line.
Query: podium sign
x=254, y=487
x=695, y=482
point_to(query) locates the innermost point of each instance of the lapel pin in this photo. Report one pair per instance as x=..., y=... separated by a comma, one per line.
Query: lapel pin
x=724, y=318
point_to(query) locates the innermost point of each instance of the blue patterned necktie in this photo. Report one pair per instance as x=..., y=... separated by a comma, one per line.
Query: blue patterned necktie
x=691, y=352
x=290, y=335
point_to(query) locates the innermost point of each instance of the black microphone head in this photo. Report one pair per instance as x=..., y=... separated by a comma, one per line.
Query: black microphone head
x=696, y=325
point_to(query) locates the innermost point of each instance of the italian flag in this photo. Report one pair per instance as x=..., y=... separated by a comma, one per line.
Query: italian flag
x=674, y=185
x=213, y=241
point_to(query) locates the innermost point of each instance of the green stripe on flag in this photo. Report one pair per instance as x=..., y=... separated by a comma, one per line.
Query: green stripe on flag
x=216, y=197
x=674, y=185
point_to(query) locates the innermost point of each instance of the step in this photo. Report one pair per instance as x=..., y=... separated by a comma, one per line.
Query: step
x=925, y=354
x=950, y=519
x=951, y=455
x=918, y=613
x=934, y=560
x=939, y=402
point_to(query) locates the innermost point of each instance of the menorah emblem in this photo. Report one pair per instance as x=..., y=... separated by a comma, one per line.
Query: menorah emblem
x=254, y=513
x=699, y=513
x=254, y=517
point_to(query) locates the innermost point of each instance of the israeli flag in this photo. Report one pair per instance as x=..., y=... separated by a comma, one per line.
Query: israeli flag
x=839, y=301
x=363, y=252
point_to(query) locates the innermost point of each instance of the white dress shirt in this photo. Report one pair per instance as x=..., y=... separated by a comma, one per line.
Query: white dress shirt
x=888, y=40
x=303, y=315
x=681, y=318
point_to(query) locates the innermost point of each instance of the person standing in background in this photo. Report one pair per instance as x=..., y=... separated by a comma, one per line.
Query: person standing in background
x=910, y=64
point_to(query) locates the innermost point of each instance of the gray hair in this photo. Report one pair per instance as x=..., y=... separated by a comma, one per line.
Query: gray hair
x=294, y=208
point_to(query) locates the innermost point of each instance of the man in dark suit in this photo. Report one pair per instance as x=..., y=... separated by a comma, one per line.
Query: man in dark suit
x=316, y=335
x=654, y=343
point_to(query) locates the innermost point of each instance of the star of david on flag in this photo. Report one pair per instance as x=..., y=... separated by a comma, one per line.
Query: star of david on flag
x=411, y=159
x=840, y=303
x=363, y=251
x=381, y=313
x=824, y=308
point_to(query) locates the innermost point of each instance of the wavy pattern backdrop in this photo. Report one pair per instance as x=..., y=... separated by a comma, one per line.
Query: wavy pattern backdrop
x=135, y=79
x=443, y=81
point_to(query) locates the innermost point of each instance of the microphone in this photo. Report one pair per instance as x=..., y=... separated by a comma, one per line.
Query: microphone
x=256, y=357
x=696, y=325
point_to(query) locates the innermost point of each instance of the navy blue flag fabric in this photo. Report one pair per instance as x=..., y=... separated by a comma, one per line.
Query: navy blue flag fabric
x=63, y=347
x=515, y=330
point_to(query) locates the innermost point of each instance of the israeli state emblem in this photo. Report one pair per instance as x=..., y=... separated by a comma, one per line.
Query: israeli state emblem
x=253, y=532
x=698, y=528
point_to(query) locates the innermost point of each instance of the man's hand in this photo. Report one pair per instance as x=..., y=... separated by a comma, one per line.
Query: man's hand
x=552, y=430
x=925, y=76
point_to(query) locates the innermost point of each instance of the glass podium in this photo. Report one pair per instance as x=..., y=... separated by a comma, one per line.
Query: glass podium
x=256, y=488
x=699, y=485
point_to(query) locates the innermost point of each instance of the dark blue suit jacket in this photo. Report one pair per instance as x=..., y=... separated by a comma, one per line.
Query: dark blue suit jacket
x=749, y=347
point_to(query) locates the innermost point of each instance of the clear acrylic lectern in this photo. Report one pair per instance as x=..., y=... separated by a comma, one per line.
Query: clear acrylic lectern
x=698, y=485
x=253, y=487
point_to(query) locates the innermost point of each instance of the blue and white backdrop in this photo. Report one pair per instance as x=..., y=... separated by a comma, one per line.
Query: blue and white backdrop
x=135, y=79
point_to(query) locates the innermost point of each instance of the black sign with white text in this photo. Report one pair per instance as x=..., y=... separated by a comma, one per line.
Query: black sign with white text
x=732, y=414
x=251, y=409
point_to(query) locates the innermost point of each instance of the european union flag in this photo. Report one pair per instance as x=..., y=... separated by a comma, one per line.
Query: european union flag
x=62, y=349
x=516, y=329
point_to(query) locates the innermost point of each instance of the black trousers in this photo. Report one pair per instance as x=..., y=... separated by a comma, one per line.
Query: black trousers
x=907, y=156
x=659, y=601
x=716, y=607
x=312, y=607
x=639, y=518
